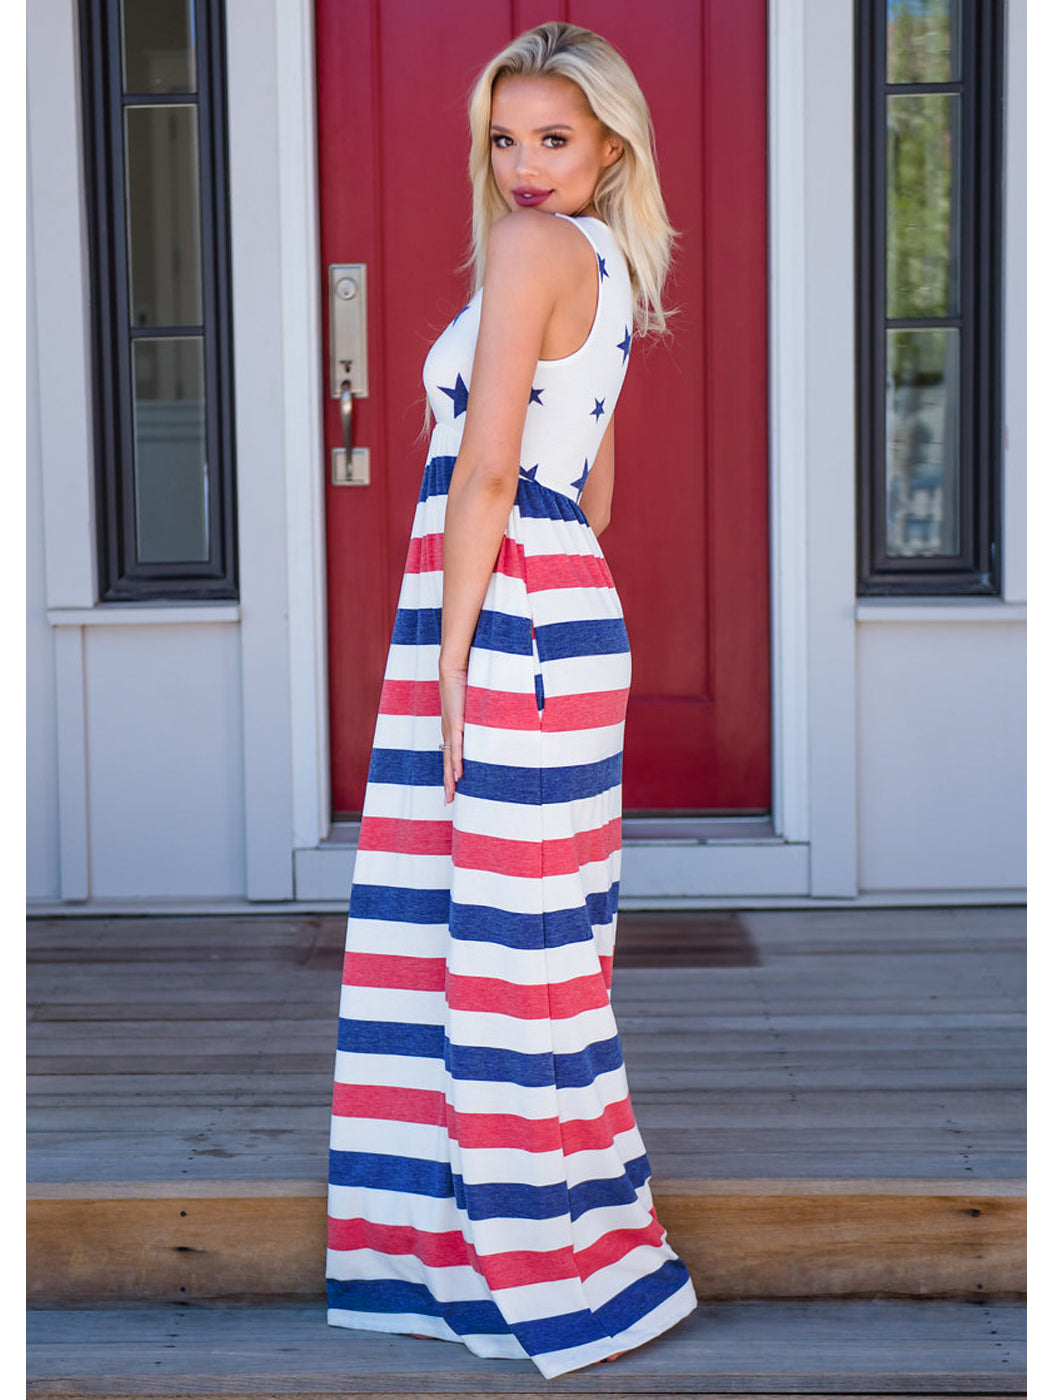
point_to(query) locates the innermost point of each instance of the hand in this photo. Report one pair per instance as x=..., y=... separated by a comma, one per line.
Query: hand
x=453, y=686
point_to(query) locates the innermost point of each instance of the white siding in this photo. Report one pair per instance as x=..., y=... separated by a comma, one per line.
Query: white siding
x=941, y=755
x=163, y=726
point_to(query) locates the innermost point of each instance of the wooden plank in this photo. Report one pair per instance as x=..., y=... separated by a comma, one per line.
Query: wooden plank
x=748, y=1348
x=788, y=1242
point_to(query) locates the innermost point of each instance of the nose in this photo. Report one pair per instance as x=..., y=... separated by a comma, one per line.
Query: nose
x=524, y=166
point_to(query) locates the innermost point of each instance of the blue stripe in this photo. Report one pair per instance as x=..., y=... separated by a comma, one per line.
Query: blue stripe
x=399, y=906
x=605, y=636
x=482, y=1063
x=407, y=767
x=638, y=1299
x=478, y=923
x=382, y=1295
x=538, y=502
x=420, y=627
x=594, y=1195
x=436, y=477
x=498, y=631
x=391, y=1038
x=508, y=1200
x=498, y=782
x=495, y=1200
x=532, y=1071
x=495, y=631
x=417, y=1176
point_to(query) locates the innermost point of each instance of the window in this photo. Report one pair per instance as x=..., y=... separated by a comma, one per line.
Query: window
x=928, y=203
x=155, y=144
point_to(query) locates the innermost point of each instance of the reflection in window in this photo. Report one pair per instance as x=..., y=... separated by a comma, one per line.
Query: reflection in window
x=171, y=469
x=922, y=443
x=164, y=227
x=929, y=186
x=159, y=48
x=922, y=205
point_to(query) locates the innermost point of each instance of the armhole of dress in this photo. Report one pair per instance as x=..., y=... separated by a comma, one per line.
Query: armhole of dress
x=592, y=331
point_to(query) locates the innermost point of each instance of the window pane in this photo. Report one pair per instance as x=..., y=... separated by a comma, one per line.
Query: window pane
x=922, y=41
x=922, y=205
x=160, y=51
x=922, y=442
x=164, y=226
x=171, y=467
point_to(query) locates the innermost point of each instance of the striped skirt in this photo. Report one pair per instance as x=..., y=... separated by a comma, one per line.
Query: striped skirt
x=487, y=1181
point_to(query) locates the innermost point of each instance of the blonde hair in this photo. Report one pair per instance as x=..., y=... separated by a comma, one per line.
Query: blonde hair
x=627, y=195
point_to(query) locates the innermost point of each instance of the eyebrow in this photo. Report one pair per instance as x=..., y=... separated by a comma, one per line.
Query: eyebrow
x=554, y=126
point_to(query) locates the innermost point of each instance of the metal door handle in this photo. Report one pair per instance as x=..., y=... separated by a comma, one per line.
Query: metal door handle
x=346, y=415
x=348, y=366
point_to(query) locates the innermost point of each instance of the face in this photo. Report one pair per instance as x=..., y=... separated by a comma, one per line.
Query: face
x=546, y=144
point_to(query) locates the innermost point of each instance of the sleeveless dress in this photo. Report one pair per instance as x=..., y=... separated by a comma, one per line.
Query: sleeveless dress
x=487, y=1181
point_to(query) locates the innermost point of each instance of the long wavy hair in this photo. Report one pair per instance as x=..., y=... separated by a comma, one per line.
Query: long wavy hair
x=627, y=196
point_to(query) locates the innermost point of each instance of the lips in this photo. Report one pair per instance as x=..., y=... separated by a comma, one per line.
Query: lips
x=525, y=195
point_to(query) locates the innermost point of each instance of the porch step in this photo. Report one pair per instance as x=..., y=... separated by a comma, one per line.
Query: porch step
x=788, y=1238
x=754, y=1348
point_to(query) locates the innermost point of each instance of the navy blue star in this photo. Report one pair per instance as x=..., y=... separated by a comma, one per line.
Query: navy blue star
x=625, y=343
x=601, y=269
x=530, y=474
x=598, y=409
x=581, y=481
x=534, y=396
x=458, y=395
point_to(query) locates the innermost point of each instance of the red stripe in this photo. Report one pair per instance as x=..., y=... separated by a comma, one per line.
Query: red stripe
x=482, y=1130
x=559, y=1000
x=612, y=1247
x=391, y=970
x=594, y=1134
x=591, y=711
x=410, y=698
x=388, y=1104
x=567, y=571
x=425, y=554
x=449, y=1249
x=401, y=836
x=501, y=709
x=531, y=859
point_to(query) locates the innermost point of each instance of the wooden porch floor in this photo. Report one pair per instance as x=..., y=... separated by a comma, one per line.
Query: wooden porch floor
x=832, y=1101
x=845, y=1044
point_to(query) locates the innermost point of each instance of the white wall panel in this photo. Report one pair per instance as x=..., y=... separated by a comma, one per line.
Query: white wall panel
x=165, y=762
x=941, y=755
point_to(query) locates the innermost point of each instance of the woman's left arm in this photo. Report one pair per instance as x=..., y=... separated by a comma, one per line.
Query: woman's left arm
x=520, y=290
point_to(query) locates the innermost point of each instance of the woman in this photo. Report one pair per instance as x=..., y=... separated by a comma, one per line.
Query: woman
x=488, y=1183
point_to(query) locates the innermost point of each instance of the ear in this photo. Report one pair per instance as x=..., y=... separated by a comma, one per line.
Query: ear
x=613, y=151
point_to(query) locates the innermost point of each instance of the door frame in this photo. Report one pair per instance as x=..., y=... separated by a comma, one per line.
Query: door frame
x=812, y=847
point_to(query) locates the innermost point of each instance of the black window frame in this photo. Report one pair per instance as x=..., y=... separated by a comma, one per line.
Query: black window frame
x=977, y=568
x=121, y=576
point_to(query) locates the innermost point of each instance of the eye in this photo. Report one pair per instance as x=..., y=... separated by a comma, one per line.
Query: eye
x=497, y=139
x=554, y=136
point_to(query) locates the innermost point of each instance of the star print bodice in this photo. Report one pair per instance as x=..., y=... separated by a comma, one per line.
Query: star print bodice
x=571, y=399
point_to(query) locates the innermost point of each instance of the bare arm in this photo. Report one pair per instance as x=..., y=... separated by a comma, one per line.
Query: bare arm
x=520, y=291
x=596, y=500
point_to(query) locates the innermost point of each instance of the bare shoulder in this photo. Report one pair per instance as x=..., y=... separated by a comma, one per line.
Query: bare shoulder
x=540, y=246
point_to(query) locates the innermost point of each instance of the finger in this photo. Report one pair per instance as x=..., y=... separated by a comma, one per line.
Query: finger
x=449, y=775
x=456, y=753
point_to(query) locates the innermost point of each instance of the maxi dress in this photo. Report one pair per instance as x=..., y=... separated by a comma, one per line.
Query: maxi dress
x=487, y=1181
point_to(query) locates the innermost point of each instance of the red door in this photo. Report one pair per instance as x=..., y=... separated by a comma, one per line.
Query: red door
x=689, y=541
